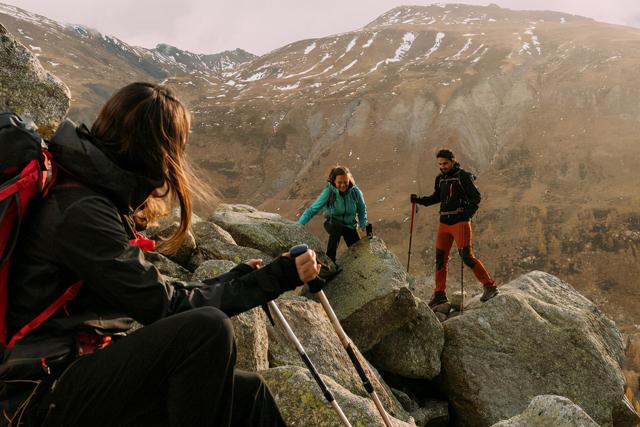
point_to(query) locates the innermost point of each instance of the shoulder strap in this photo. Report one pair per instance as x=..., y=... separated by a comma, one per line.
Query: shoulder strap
x=69, y=295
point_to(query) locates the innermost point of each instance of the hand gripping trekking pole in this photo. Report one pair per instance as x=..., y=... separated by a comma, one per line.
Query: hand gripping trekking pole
x=280, y=319
x=316, y=288
x=413, y=211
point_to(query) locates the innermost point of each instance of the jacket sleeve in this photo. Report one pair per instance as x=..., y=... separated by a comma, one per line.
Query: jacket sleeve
x=362, y=209
x=433, y=198
x=472, y=195
x=92, y=243
x=315, y=207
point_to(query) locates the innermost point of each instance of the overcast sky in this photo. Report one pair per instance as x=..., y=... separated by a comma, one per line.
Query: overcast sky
x=259, y=26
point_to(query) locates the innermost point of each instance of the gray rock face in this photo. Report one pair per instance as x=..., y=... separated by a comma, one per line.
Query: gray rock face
x=212, y=268
x=206, y=230
x=265, y=231
x=313, y=328
x=187, y=248
x=167, y=267
x=538, y=336
x=27, y=89
x=301, y=402
x=550, y=410
x=413, y=351
x=217, y=249
x=371, y=296
x=252, y=341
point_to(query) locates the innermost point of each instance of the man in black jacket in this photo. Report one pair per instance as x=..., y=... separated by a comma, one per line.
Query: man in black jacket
x=459, y=200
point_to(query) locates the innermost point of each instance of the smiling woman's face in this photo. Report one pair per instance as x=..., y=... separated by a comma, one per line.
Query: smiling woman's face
x=341, y=182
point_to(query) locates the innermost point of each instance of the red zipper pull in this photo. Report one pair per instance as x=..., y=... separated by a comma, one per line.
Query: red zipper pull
x=44, y=365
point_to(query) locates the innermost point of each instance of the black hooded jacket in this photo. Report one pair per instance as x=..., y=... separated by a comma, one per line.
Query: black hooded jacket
x=458, y=196
x=82, y=232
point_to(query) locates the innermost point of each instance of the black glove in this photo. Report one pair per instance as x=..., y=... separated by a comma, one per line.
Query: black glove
x=414, y=198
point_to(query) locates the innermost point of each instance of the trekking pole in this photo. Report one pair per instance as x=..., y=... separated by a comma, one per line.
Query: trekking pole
x=316, y=288
x=314, y=372
x=461, y=285
x=413, y=211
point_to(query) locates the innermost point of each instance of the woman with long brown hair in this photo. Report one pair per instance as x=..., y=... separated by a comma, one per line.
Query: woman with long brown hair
x=341, y=200
x=99, y=367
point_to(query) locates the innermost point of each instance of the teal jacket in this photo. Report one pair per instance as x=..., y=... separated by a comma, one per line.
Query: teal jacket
x=342, y=210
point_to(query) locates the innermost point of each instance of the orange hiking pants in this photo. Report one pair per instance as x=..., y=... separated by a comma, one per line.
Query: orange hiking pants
x=461, y=234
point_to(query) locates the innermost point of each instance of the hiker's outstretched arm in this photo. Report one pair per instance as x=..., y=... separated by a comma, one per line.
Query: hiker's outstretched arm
x=362, y=211
x=433, y=198
x=92, y=243
x=242, y=293
x=319, y=203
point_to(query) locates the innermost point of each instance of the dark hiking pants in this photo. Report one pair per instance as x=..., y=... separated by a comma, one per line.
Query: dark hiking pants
x=178, y=371
x=336, y=231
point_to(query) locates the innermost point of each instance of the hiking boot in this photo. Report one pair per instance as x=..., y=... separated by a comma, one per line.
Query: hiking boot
x=489, y=292
x=327, y=275
x=437, y=299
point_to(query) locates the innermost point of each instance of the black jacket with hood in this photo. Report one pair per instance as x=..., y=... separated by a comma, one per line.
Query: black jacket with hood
x=458, y=196
x=82, y=232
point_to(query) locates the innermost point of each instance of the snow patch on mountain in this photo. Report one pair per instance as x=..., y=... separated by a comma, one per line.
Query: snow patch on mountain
x=461, y=51
x=310, y=48
x=436, y=44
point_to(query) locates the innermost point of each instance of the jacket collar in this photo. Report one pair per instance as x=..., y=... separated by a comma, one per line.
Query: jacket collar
x=77, y=153
x=454, y=170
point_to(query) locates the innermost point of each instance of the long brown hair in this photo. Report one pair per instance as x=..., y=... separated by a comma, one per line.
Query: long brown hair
x=147, y=128
x=340, y=170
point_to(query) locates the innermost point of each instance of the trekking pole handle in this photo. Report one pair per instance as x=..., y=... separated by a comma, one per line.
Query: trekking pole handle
x=316, y=284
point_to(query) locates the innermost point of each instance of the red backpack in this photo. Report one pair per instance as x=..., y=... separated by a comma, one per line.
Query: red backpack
x=26, y=173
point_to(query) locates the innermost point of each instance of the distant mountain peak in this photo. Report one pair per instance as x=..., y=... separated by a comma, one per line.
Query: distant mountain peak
x=461, y=14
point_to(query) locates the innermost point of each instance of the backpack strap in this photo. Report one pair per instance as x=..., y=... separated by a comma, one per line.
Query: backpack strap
x=69, y=295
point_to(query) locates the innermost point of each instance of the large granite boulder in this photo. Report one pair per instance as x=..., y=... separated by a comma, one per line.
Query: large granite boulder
x=302, y=403
x=205, y=230
x=313, y=328
x=539, y=336
x=27, y=89
x=265, y=231
x=371, y=295
x=550, y=410
x=412, y=351
x=252, y=340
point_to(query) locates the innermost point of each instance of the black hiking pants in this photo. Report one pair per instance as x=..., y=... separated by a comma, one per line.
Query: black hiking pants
x=178, y=371
x=336, y=231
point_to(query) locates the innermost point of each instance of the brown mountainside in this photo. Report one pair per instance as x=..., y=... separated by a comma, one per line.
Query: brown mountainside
x=541, y=106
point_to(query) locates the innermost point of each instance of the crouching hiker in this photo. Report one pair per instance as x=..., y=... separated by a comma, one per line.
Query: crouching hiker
x=459, y=200
x=84, y=366
x=342, y=200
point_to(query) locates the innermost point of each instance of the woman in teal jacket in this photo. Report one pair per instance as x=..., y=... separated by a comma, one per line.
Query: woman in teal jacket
x=342, y=200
